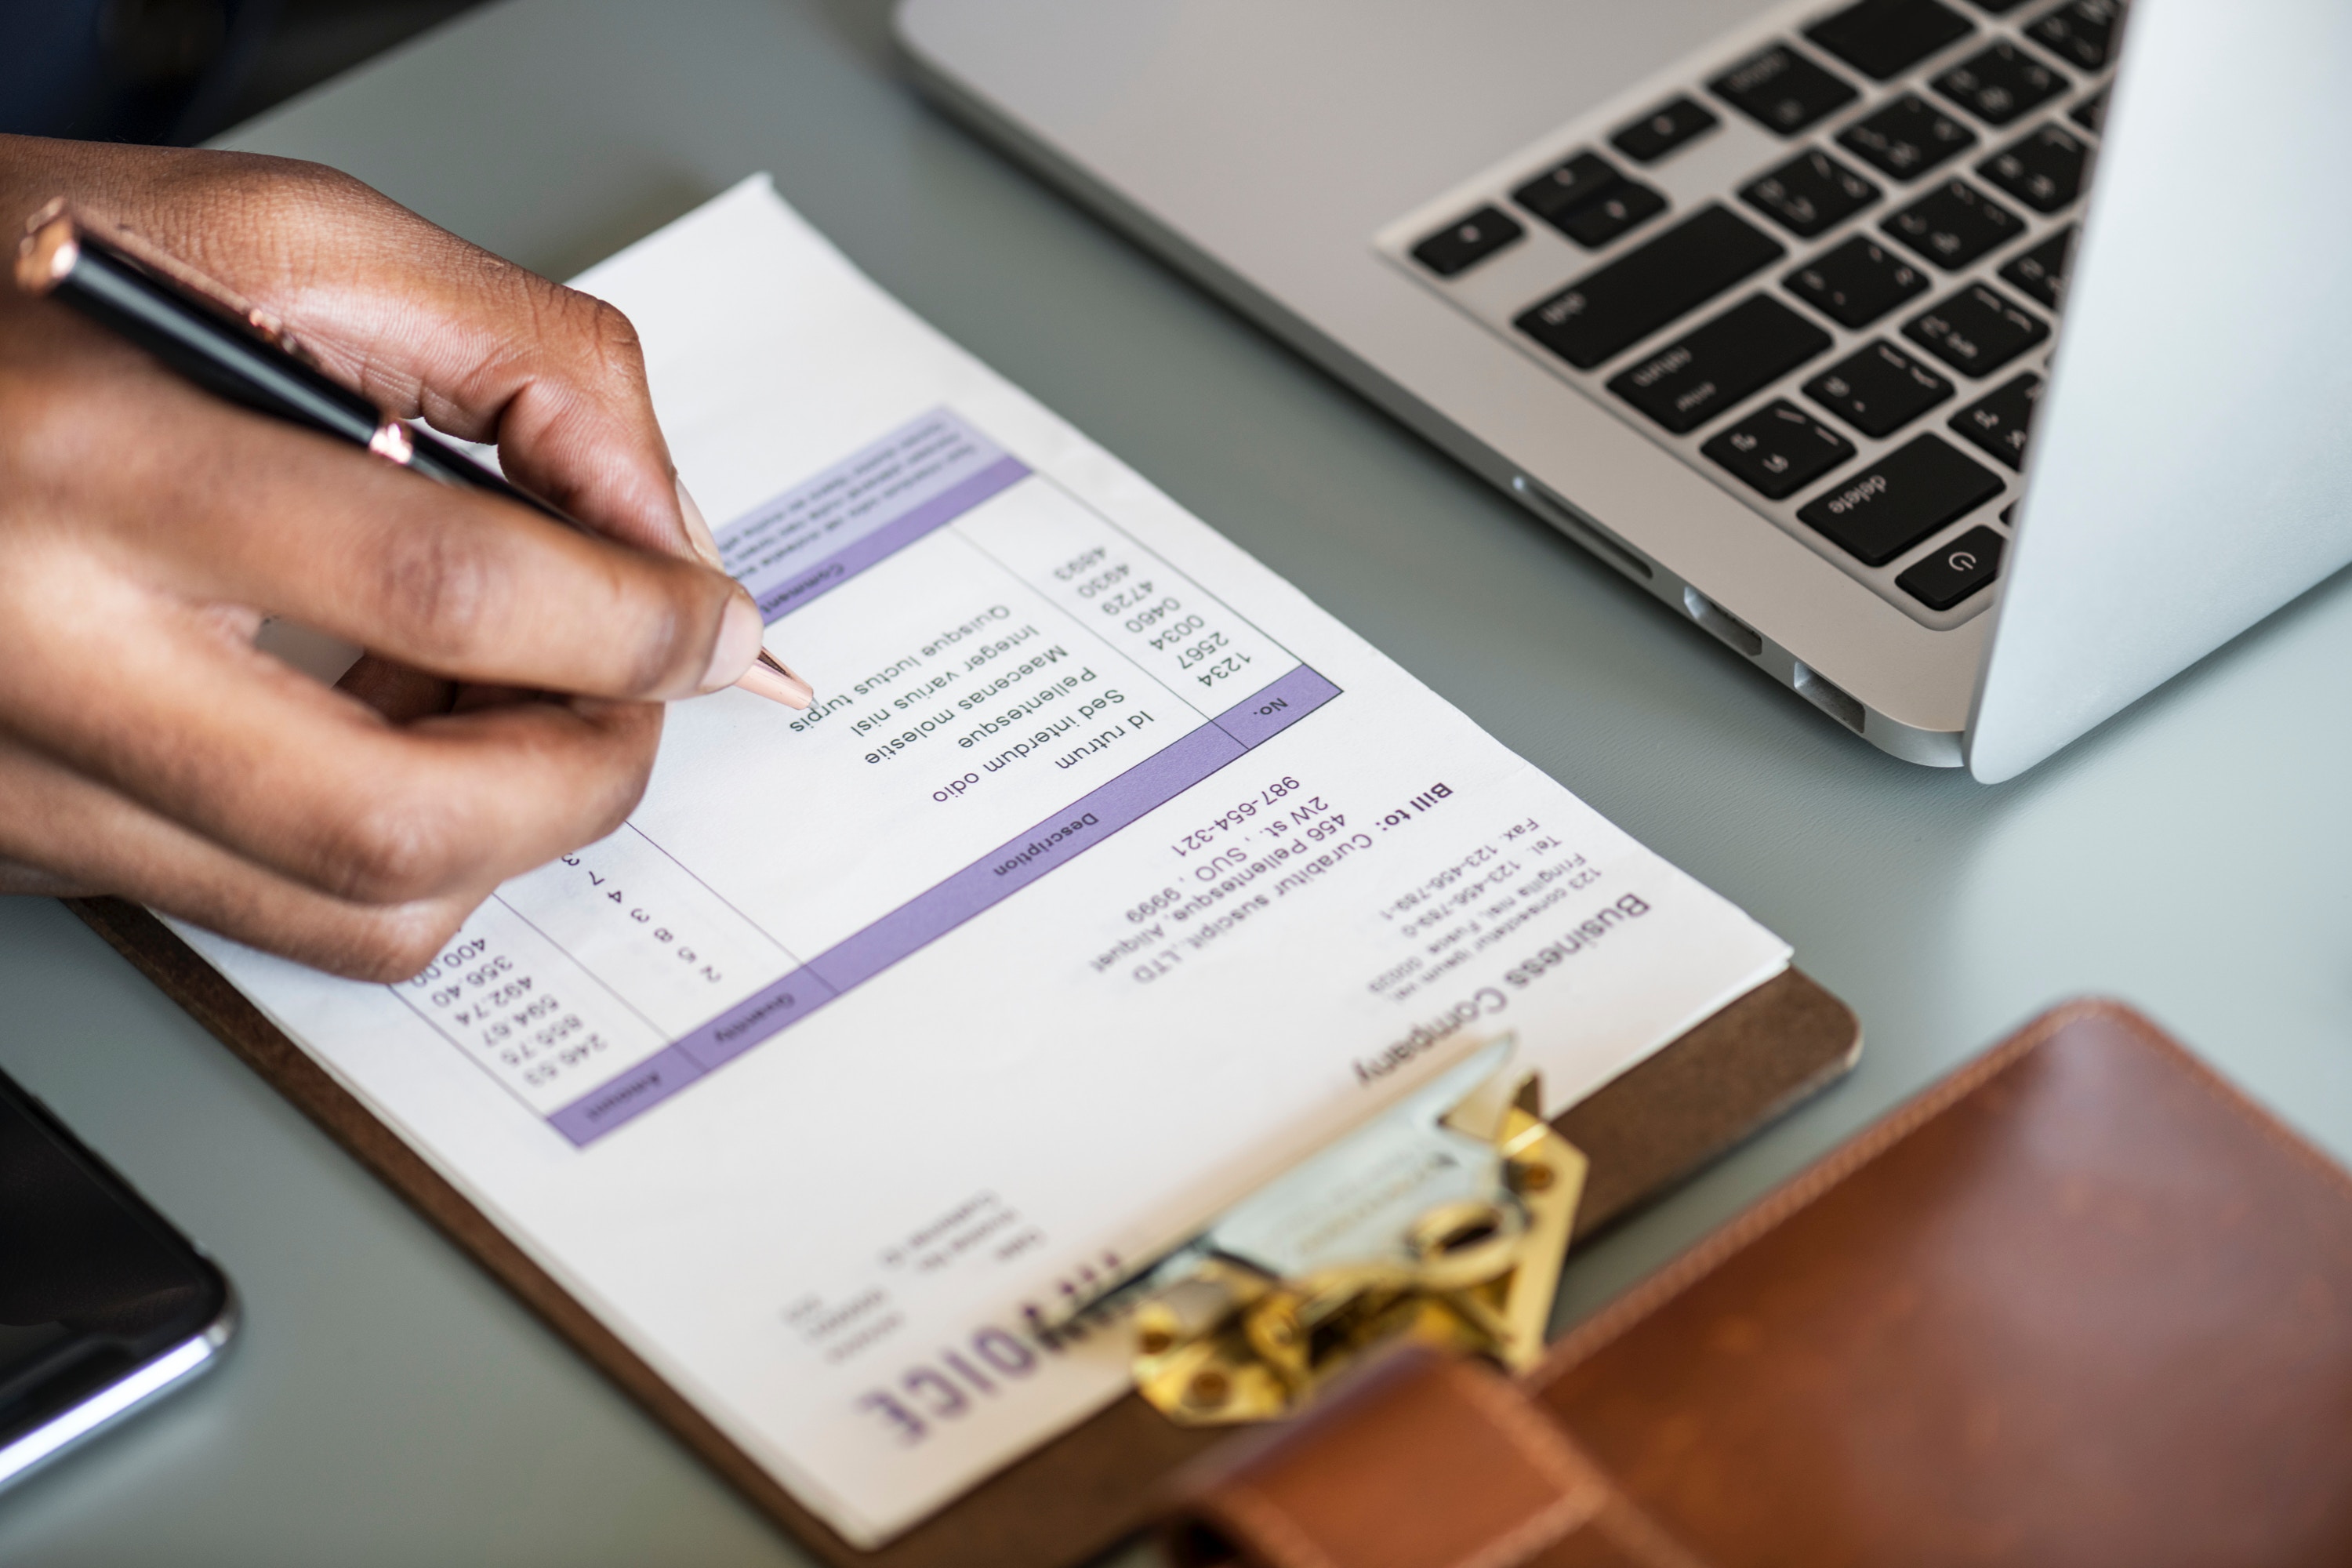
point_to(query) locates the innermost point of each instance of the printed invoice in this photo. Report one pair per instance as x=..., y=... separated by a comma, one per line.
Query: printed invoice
x=1105, y=878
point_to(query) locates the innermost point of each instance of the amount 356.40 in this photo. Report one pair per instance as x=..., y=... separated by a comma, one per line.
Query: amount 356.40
x=525, y=1027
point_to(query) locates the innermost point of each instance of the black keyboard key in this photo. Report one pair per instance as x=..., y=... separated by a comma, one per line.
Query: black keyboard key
x=1998, y=7
x=1608, y=312
x=1585, y=177
x=1883, y=38
x=2000, y=421
x=1976, y=331
x=1700, y=375
x=1877, y=514
x=1467, y=241
x=2041, y=272
x=1879, y=390
x=1907, y=138
x=2044, y=171
x=1779, y=449
x=1954, y=224
x=2091, y=115
x=1809, y=194
x=2081, y=31
x=1942, y=578
x=1999, y=84
x=1595, y=224
x=1663, y=128
x=1856, y=282
x=1781, y=90
x=1588, y=200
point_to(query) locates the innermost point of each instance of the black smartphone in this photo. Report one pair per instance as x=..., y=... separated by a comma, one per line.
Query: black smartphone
x=104, y=1305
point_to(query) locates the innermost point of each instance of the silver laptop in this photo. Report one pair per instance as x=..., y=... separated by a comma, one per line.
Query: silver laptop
x=1971, y=366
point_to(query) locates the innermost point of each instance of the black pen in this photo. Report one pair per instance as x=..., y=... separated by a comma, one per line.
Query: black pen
x=239, y=352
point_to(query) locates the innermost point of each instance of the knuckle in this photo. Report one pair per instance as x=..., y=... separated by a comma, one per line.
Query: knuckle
x=627, y=786
x=612, y=340
x=615, y=335
x=397, y=945
x=673, y=636
x=611, y=773
x=391, y=851
x=444, y=584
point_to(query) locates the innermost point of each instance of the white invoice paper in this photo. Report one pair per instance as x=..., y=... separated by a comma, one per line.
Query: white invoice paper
x=1107, y=877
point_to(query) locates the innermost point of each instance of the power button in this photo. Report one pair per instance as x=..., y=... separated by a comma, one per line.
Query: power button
x=1954, y=569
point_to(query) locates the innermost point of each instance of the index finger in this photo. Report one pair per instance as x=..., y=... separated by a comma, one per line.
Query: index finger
x=217, y=504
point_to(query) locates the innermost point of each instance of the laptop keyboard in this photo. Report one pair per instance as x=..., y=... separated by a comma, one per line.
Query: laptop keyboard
x=1821, y=265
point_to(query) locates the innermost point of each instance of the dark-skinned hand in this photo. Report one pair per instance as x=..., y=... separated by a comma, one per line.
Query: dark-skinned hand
x=511, y=697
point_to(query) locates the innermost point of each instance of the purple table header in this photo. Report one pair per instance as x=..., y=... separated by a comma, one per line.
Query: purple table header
x=939, y=909
x=827, y=529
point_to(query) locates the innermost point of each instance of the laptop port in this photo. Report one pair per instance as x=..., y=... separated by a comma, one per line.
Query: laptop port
x=1829, y=698
x=1727, y=628
x=1579, y=527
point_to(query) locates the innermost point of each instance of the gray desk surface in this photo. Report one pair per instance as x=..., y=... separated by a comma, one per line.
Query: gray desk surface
x=389, y=1403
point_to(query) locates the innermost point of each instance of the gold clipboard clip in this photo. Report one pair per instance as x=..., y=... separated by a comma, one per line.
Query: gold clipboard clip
x=1445, y=1220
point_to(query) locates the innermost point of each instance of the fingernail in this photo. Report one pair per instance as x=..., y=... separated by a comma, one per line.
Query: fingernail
x=770, y=678
x=698, y=531
x=738, y=645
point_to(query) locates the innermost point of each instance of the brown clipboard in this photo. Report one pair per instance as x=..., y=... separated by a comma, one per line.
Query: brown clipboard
x=1097, y=1483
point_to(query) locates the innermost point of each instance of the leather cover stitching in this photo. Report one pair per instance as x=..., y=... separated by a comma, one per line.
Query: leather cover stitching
x=2221, y=1088
x=1538, y=1441
x=1263, y=1518
x=1523, y=1539
x=1644, y=1540
x=1809, y=1186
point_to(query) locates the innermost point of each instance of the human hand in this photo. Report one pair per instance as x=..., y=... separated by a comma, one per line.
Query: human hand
x=147, y=748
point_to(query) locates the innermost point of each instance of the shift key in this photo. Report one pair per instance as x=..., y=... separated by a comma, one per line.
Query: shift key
x=1700, y=373
x=1908, y=494
x=1605, y=312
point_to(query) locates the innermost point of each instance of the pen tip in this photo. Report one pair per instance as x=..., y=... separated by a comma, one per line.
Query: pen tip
x=770, y=678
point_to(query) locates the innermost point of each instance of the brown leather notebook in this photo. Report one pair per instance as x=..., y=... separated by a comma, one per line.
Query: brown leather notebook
x=2081, y=1303
x=1097, y=1483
